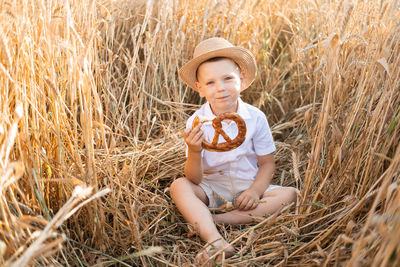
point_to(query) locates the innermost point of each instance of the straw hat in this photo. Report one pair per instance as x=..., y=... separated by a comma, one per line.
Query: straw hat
x=219, y=47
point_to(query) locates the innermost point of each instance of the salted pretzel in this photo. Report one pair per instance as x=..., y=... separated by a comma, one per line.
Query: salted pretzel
x=230, y=143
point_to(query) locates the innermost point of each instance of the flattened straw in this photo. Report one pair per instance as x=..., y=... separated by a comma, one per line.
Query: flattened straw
x=63, y=214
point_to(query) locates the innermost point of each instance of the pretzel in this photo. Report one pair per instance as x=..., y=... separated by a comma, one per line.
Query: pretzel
x=230, y=143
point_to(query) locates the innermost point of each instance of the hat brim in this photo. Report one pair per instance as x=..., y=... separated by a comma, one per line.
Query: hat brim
x=241, y=56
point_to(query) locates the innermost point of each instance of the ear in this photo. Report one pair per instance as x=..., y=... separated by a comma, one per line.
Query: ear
x=199, y=89
x=241, y=76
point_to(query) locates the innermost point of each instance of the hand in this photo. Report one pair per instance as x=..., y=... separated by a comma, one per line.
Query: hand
x=194, y=138
x=248, y=200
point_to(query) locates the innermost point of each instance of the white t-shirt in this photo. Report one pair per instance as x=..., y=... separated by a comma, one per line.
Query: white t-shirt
x=241, y=161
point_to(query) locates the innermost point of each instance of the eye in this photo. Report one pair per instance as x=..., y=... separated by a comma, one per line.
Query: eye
x=209, y=83
x=228, y=78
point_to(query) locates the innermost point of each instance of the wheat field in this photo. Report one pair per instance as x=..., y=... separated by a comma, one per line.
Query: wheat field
x=92, y=113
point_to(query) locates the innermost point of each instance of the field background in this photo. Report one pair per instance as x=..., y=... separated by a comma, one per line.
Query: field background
x=92, y=112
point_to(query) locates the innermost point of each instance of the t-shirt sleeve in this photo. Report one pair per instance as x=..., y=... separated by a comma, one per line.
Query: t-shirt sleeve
x=263, y=140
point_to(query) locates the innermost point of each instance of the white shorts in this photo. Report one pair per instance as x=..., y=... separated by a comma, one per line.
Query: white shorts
x=226, y=189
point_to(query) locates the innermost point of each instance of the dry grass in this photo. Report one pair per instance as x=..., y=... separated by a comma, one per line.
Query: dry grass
x=102, y=107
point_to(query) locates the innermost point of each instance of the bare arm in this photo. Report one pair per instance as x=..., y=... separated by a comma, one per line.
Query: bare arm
x=266, y=167
x=194, y=165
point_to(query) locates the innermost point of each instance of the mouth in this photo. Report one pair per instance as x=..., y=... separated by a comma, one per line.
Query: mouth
x=222, y=98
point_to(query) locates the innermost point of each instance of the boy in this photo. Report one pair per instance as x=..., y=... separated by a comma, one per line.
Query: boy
x=219, y=71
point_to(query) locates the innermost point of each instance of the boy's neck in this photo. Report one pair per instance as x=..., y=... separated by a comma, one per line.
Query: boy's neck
x=216, y=113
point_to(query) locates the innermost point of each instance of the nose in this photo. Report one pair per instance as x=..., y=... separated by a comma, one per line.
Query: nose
x=220, y=86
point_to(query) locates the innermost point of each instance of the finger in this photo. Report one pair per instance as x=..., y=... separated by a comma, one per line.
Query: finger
x=191, y=137
x=197, y=128
x=196, y=131
x=199, y=133
x=186, y=133
x=243, y=204
x=198, y=138
x=242, y=201
x=249, y=205
x=197, y=142
x=238, y=201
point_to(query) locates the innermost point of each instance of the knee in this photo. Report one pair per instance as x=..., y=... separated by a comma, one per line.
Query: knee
x=292, y=194
x=177, y=186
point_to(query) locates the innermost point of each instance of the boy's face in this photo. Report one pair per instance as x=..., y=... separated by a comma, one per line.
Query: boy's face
x=220, y=83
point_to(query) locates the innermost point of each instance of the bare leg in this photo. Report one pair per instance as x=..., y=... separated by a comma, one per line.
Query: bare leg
x=191, y=200
x=272, y=201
